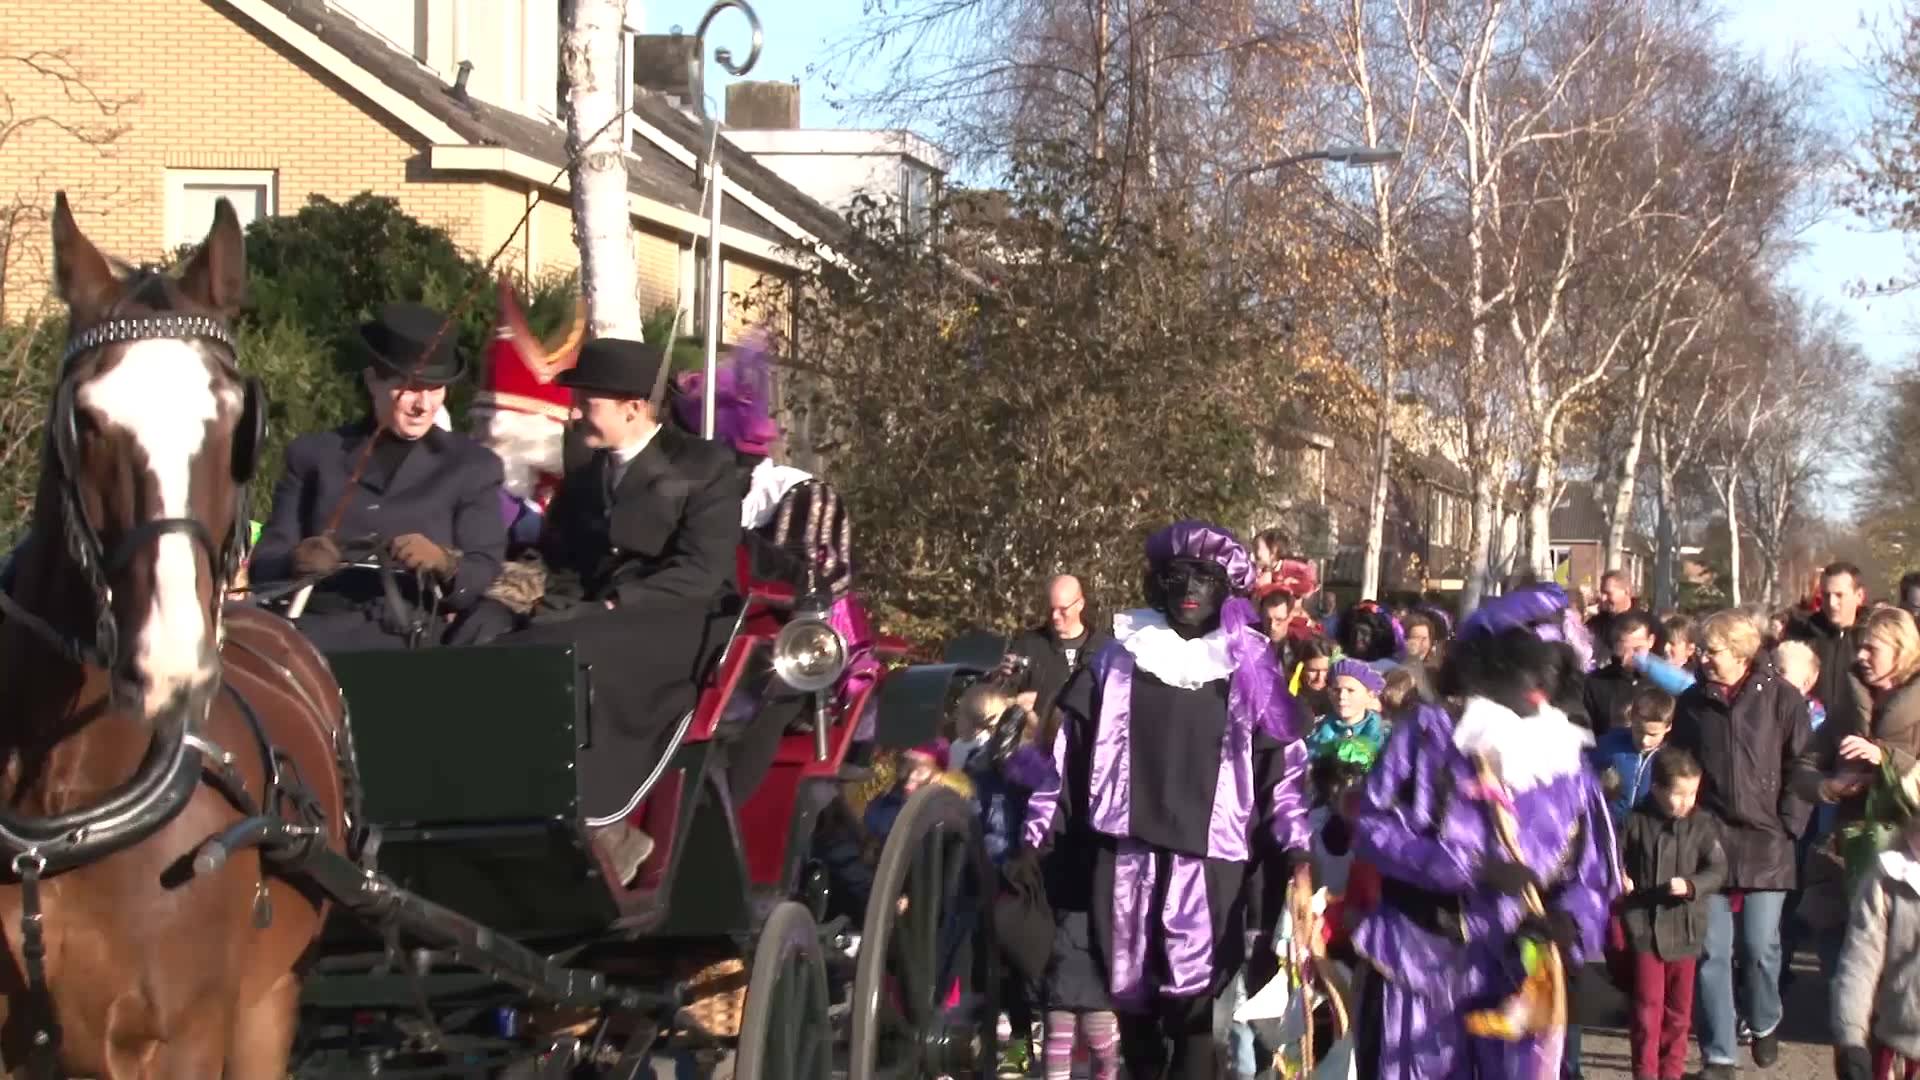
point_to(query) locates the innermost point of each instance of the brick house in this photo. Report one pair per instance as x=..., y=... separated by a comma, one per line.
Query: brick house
x=267, y=101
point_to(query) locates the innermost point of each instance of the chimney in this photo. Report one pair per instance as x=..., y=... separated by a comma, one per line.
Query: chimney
x=668, y=64
x=763, y=106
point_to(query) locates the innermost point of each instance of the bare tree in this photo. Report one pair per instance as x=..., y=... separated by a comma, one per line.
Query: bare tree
x=602, y=226
x=44, y=90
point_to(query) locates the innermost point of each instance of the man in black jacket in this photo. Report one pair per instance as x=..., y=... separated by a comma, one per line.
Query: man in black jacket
x=639, y=550
x=1833, y=633
x=430, y=497
x=1058, y=649
x=1610, y=689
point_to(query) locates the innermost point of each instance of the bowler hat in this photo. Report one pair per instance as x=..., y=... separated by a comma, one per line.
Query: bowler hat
x=616, y=367
x=397, y=338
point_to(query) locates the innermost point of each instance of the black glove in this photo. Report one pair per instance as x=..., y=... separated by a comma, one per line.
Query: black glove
x=1507, y=878
x=1556, y=926
x=1005, y=737
x=1852, y=1063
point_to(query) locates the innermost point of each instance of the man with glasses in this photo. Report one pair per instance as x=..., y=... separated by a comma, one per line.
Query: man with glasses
x=1055, y=651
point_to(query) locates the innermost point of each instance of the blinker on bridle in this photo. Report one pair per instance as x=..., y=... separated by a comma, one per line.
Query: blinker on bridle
x=83, y=541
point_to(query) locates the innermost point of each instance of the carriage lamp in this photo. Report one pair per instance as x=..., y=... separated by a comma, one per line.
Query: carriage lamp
x=809, y=654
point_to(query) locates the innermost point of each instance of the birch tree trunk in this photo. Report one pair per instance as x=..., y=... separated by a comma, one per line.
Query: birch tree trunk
x=1727, y=484
x=590, y=52
x=1664, y=591
x=1627, y=470
x=1387, y=284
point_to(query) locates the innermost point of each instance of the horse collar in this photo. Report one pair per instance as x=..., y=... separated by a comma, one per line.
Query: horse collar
x=147, y=328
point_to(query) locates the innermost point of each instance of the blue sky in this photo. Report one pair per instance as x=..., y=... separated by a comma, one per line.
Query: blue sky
x=1827, y=34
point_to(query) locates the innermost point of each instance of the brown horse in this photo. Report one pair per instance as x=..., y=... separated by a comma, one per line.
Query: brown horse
x=138, y=712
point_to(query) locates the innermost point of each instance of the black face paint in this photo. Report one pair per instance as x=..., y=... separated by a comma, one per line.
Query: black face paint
x=1191, y=593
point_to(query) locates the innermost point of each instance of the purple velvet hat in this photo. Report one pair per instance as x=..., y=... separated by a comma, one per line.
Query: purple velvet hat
x=1542, y=609
x=742, y=405
x=1193, y=539
x=1361, y=673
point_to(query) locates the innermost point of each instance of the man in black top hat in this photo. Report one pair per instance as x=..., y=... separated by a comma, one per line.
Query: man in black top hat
x=429, y=499
x=639, y=549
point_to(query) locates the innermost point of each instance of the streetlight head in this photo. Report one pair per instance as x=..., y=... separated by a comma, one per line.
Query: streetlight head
x=1362, y=156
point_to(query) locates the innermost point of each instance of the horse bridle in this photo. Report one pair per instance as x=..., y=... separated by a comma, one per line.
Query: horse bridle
x=170, y=770
x=89, y=553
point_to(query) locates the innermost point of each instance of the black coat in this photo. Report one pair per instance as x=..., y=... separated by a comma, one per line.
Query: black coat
x=1655, y=849
x=667, y=538
x=1049, y=671
x=662, y=550
x=447, y=488
x=1747, y=750
x=1608, y=693
x=1846, y=698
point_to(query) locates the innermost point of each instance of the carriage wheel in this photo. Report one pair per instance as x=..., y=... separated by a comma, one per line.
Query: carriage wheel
x=926, y=988
x=784, y=1034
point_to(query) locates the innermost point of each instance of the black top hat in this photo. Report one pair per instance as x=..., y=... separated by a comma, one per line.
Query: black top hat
x=616, y=367
x=396, y=341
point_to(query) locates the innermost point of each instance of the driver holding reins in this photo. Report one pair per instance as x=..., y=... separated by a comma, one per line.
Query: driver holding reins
x=429, y=500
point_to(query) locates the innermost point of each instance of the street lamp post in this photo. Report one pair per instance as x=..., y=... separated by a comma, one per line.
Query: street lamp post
x=717, y=195
x=1353, y=157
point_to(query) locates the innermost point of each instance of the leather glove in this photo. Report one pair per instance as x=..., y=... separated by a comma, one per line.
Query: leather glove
x=1005, y=737
x=1507, y=878
x=314, y=556
x=1852, y=1063
x=1556, y=926
x=419, y=554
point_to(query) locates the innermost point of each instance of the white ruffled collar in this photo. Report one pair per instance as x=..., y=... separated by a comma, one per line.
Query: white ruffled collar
x=1525, y=751
x=1179, y=662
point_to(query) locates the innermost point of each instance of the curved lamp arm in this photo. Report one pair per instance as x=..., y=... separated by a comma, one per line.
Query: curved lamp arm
x=723, y=55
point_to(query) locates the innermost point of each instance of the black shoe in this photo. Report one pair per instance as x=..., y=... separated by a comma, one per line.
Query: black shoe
x=625, y=849
x=1766, y=1049
x=1715, y=1072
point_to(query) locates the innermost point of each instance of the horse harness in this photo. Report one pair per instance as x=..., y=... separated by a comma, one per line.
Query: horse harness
x=286, y=820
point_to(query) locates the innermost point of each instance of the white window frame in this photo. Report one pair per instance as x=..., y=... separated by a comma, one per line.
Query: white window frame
x=179, y=180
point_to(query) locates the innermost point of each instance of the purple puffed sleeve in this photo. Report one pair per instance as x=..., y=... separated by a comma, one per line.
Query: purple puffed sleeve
x=1291, y=797
x=1394, y=822
x=1587, y=897
x=1048, y=779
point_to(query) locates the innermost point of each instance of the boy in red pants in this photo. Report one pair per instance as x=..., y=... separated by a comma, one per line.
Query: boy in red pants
x=1673, y=861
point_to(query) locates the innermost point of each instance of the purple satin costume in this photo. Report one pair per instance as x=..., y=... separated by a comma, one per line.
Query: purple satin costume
x=1186, y=924
x=1420, y=823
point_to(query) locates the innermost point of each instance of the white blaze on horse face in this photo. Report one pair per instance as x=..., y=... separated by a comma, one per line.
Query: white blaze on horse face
x=162, y=393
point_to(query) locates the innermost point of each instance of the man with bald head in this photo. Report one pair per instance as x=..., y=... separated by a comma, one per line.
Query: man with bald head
x=1056, y=650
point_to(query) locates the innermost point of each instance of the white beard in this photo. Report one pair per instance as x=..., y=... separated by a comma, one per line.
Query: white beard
x=529, y=446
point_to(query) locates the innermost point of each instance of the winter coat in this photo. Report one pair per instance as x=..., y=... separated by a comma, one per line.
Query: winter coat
x=1608, y=692
x=1879, y=972
x=1848, y=701
x=1329, y=730
x=1655, y=849
x=1617, y=752
x=1049, y=667
x=1747, y=747
x=1895, y=728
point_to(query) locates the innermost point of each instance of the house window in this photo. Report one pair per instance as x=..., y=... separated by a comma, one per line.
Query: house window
x=916, y=199
x=193, y=193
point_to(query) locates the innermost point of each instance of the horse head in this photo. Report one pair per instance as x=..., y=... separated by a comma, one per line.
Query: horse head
x=151, y=439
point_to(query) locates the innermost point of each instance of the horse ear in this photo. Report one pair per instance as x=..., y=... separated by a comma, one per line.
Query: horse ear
x=217, y=274
x=80, y=273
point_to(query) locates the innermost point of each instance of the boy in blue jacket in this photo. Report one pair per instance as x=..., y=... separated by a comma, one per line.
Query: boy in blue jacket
x=1624, y=756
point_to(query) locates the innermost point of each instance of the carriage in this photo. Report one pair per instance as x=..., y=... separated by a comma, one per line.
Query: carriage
x=476, y=932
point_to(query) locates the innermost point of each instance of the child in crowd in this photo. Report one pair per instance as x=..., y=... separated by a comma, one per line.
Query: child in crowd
x=1402, y=690
x=1800, y=666
x=1673, y=861
x=1624, y=756
x=1876, y=1014
x=1356, y=688
x=1677, y=646
x=1315, y=657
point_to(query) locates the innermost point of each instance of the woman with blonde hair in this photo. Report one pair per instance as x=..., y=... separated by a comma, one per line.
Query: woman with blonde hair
x=1746, y=725
x=1841, y=763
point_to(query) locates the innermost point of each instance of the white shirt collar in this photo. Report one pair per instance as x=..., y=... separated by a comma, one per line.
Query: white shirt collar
x=623, y=456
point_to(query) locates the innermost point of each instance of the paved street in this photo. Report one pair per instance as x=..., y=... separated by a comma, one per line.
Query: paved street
x=1804, y=1052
